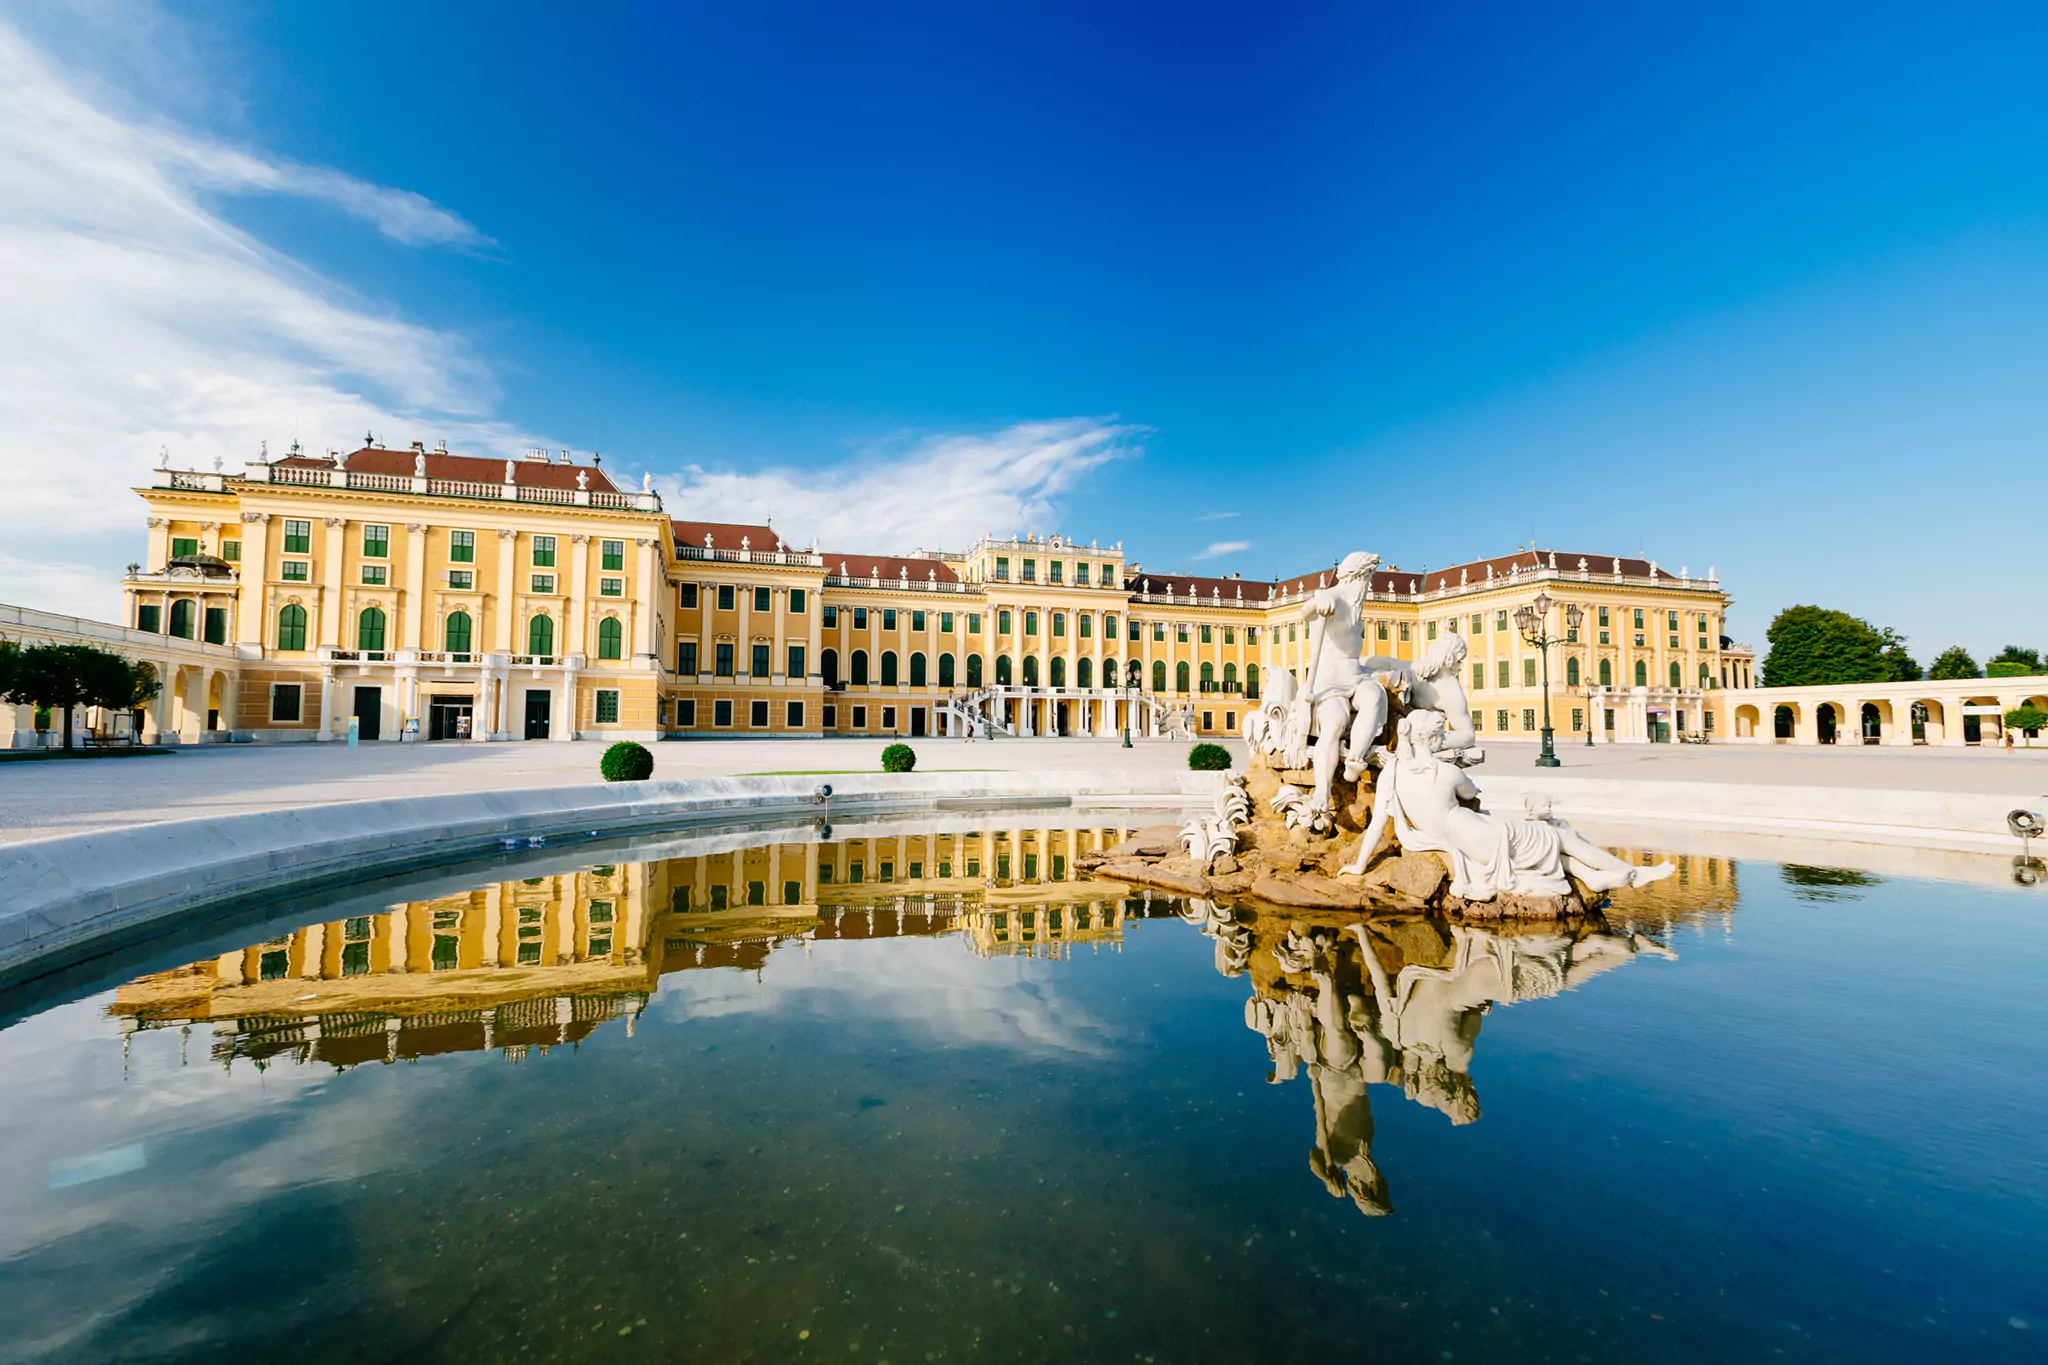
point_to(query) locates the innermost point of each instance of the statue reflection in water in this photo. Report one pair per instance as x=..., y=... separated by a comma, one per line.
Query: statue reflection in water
x=1392, y=1002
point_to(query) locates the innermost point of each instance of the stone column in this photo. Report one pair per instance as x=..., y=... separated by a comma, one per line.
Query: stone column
x=816, y=616
x=413, y=636
x=565, y=727
x=330, y=581
x=506, y=608
x=163, y=710
x=743, y=644
x=647, y=595
x=576, y=623
x=250, y=622
x=778, y=652
x=192, y=707
x=328, y=730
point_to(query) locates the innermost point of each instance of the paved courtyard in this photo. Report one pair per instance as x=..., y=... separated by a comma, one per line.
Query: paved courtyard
x=42, y=799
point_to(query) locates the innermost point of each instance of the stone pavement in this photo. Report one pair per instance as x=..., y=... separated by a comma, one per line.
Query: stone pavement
x=41, y=799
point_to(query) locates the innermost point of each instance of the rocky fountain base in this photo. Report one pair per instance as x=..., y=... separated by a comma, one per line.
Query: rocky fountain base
x=1281, y=865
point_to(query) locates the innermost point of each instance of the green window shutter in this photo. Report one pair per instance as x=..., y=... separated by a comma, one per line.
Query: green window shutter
x=291, y=627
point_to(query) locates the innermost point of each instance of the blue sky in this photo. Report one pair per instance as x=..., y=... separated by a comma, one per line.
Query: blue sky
x=1762, y=289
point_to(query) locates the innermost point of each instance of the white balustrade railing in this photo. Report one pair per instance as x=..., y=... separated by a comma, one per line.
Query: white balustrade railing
x=833, y=580
x=809, y=558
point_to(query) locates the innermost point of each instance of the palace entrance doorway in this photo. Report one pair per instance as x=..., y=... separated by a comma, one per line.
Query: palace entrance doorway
x=450, y=717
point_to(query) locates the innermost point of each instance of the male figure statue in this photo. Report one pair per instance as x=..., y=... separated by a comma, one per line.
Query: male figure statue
x=1323, y=708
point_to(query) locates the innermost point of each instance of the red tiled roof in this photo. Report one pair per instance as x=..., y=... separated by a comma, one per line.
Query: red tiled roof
x=1407, y=582
x=464, y=468
x=725, y=535
x=1383, y=580
x=1181, y=584
x=889, y=567
x=1475, y=572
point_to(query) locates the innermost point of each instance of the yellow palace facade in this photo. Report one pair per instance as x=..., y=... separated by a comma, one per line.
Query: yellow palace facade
x=418, y=595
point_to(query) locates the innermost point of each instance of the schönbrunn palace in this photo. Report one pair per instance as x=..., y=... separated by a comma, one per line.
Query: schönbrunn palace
x=461, y=597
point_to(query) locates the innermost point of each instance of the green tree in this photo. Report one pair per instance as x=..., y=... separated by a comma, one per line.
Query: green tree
x=2014, y=661
x=1809, y=645
x=1954, y=662
x=62, y=677
x=1904, y=667
x=2028, y=720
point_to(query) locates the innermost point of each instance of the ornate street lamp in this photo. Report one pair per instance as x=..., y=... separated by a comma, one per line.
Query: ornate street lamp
x=1124, y=689
x=1533, y=620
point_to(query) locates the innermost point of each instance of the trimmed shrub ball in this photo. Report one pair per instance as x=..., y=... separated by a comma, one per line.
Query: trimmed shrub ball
x=626, y=762
x=1208, y=758
x=898, y=758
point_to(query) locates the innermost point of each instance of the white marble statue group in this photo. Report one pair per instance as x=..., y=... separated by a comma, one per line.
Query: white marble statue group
x=1342, y=718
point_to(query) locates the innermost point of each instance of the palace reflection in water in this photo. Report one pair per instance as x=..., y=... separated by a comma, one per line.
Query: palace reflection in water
x=542, y=961
x=1343, y=1002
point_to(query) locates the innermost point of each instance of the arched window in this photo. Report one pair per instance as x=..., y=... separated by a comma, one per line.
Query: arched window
x=455, y=635
x=888, y=668
x=181, y=618
x=974, y=670
x=1571, y=672
x=1084, y=673
x=1180, y=676
x=1706, y=675
x=945, y=670
x=1230, y=677
x=370, y=628
x=540, y=636
x=828, y=667
x=1002, y=670
x=291, y=627
x=1642, y=674
x=1208, y=677
x=1677, y=678
x=1251, y=681
x=611, y=638
x=1031, y=670
x=1059, y=672
x=1159, y=675
x=1135, y=673
x=1606, y=673
x=1781, y=722
x=858, y=673
x=917, y=678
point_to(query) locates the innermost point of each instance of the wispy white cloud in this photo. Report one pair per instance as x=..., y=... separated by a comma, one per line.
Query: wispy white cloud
x=1216, y=516
x=936, y=492
x=134, y=316
x=1219, y=548
x=399, y=214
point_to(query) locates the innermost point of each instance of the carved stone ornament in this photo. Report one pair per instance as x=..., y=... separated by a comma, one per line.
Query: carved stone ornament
x=418, y=528
x=507, y=535
x=332, y=522
x=255, y=518
x=155, y=522
x=579, y=539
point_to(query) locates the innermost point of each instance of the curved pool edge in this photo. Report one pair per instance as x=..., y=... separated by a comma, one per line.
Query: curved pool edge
x=61, y=895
